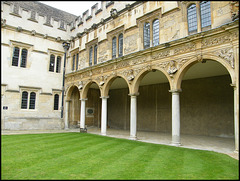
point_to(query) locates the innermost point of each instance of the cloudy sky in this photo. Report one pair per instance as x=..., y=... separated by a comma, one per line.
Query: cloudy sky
x=73, y=7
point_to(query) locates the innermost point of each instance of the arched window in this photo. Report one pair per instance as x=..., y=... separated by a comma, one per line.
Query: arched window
x=32, y=100
x=24, y=58
x=52, y=60
x=146, y=35
x=24, y=100
x=114, y=47
x=15, y=56
x=90, y=56
x=73, y=62
x=56, y=101
x=95, y=54
x=58, y=68
x=77, y=61
x=120, y=45
x=155, y=32
x=192, y=18
x=205, y=13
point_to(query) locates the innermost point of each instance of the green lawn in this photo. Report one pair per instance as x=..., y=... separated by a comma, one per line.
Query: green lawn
x=86, y=156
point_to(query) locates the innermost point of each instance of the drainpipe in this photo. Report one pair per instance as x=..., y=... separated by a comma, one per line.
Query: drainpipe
x=66, y=46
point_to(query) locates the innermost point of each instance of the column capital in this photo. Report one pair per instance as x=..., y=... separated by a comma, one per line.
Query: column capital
x=83, y=99
x=104, y=97
x=175, y=90
x=68, y=100
x=134, y=94
x=234, y=86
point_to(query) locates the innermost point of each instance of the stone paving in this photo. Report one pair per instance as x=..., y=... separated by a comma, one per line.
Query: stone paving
x=217, y=144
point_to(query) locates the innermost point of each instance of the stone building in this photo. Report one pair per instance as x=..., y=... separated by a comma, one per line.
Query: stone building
x=160, y=66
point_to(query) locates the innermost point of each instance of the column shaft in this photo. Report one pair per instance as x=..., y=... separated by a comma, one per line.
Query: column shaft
x=104, y=116
x=133, y=118
x=175, y=118
x=66, y=115
x=82, y=120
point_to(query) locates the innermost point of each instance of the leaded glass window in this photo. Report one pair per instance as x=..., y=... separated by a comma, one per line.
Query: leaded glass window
x=52, y=60
x=95, y=54
x=205, y=13
x=32, y=100
x=120, y=45
x=24, y=58
x=114, y=48
x=155, y=32
x=90, y=56
x=146, y=35
x=15, y=56
x=77, y=61
x=24, y=100
x=58, y=67
x=73, y=62
x=192, y=18
x=56, y=101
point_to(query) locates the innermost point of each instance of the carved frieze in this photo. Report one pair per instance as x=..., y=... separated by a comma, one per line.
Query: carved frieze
x=138, y=61
x=161, y=54
x=226, y=54
x=96, y=71
x=207, y=42
x=108, y=68
x=122, y=64
x=185, y=48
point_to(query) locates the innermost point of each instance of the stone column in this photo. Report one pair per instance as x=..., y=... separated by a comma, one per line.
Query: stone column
x=104, y=116
x=133, y=117
x=82, y=116
x=236, y=119
x=66, y=114
x=175, y=117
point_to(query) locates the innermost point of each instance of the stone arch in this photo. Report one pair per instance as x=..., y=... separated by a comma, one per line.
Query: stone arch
x=69, y=91
x=180, y=74
x=110, y=80
x=86, y=87
x=139, y=77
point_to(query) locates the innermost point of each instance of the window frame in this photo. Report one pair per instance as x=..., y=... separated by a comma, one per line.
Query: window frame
x=30, y=104
x=54, y=102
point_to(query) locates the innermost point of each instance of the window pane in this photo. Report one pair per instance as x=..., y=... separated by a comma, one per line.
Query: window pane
x=24, y=100
x=24, y=58
x=146, y=35
x=114, y=44
x=32, y=100
x=73, y=62
x=56, y=101
x=58, y=68
x=95, y=54
x=192, y=18
x=90, y=56
x=155, y=32
x=51, y=66
x=77, y=61
x=205, y=13
x=15, y=56
x=120, y=45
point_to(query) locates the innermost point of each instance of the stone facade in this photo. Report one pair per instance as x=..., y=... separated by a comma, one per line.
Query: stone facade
x=188, y=83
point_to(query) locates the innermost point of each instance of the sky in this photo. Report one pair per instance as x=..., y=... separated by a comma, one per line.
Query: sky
x=73, y=7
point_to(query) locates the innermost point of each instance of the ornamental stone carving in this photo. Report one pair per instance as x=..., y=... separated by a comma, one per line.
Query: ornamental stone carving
x=172, y=69
x=3, y=22
x=161, y=54
x=114, y=13
x=80, y=86
x=33, y=32
x=19, y=28
x=185, y=48
x=215, y=41
x=226, y=54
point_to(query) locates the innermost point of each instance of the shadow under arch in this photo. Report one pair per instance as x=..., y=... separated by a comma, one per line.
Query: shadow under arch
x=86, y=87
x=109, y=82
x=140, y=76
x=70, y=90
x=180, y=74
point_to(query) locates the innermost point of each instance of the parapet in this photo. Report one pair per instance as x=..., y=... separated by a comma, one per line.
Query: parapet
x=34, y=15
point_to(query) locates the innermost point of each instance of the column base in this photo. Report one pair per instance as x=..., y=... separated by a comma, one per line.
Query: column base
x=83, y=130
x=133, y=138
x=66, y=128
x=235, y=151
x=175, y=144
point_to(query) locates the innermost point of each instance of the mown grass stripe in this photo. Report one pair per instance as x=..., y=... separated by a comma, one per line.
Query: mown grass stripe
x=86, y=156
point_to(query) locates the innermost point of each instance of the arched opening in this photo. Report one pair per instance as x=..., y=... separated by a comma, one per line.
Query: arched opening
x=93, y=106
x=118, y=105
x=154, y=103
x=74, y=108
x=207, y=107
